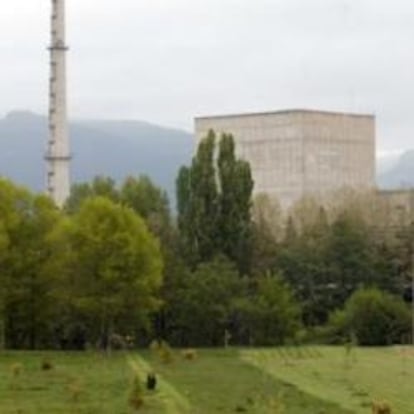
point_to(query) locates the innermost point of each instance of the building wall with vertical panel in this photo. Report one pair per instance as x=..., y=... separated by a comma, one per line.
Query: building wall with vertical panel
x=295, y=153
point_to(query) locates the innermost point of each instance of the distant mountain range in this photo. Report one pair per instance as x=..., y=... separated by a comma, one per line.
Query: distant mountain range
x=111, y=148
x=121, y=148
x=396, y=172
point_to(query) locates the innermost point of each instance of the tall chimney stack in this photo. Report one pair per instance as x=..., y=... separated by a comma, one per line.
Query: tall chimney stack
x=58, y=153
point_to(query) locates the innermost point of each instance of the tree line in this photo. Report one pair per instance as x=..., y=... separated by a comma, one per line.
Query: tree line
x=118, y=262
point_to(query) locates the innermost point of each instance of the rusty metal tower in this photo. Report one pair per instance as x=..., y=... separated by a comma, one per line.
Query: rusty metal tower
x=58, y=152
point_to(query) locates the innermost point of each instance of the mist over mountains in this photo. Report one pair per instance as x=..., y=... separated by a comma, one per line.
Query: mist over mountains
x=111, y=148
x=121, y=148
x=399, y=173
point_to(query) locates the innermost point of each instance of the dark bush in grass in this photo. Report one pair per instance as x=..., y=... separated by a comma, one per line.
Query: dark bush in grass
x=189, y=354
x=381, y=407
x=46, y=365
x=136, y=396
x=374, y=317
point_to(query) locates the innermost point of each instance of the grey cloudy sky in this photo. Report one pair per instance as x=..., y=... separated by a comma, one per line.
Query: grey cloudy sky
x=166, y=61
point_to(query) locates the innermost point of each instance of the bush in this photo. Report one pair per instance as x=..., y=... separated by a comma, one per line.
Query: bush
x=155, y=345
x=374, y=317
x=189, y=354
x=381, y=407
x=271, y=315
x=166, y=353
x=46, y=365
x=75, y=390
x=16, y=369
x=136, y=396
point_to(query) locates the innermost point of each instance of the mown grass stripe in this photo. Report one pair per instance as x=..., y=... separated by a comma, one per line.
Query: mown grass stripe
x=370, y=374
x=173, y=401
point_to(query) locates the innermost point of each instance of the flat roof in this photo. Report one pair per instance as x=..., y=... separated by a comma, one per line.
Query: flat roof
x=287, y=111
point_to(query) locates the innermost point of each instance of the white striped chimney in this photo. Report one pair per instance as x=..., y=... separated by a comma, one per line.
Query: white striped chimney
x=58, y=152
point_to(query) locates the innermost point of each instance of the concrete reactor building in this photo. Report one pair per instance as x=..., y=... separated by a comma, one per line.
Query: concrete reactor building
x=296, y=153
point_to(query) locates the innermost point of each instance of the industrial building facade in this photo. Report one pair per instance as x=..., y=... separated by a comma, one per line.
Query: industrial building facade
x=295, y=153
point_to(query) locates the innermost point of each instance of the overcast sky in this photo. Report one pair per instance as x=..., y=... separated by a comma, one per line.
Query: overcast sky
x=166, y=61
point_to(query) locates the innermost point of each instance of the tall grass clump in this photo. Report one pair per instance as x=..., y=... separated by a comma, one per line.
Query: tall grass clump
x=381, y=407
x=136, y=395
x=165, y=353
x=189, y=354
x=16, y=369
x=75, y=390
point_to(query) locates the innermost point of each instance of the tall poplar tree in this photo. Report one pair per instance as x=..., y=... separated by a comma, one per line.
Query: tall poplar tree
x=197, y=199
x=214, y=204
x=234, y=200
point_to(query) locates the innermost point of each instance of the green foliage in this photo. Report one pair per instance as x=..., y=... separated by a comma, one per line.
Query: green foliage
x=112, y=267
x=303, y=261
x=213, y=302
x=375, y=375
x=267, y=230
x=96, y=271
x=46, y=365
x=149, y=202
x=78, y=275
x=25, y=303
x=399, y=257
x=140, y=194
x=198, y=204
x=204, y=303
x=349, y=254
x=100, y=186
x=326, y=262
x=270, y=314
x=92, y=383
x=165, y=353
x=136, y=396
x=235, y=188
x=374, y=317
x=214, y=203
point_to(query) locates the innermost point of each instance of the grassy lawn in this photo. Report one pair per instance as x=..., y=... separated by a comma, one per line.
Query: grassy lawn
x=83, y=383
x=322, y=380
x=350, y=379
x=217, y=381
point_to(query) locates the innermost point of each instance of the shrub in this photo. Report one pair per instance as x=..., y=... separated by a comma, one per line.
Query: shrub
x=46, y=365
x=189, y=354
x=271, y=315
x=151, y=381
x=136, y=396
x=16, y=369
x=166, y=353
x=373, y=317
x=75, y=390
x=155, y=345
x=117, y=342
x=381, y=407
x=275, y=406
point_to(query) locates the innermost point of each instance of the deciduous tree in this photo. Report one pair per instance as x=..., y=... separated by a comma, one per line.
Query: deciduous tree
x=214, y=204
x=113, y=267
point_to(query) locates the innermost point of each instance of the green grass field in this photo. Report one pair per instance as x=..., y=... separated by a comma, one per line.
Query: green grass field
x=350, y=378
x=320, y=380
